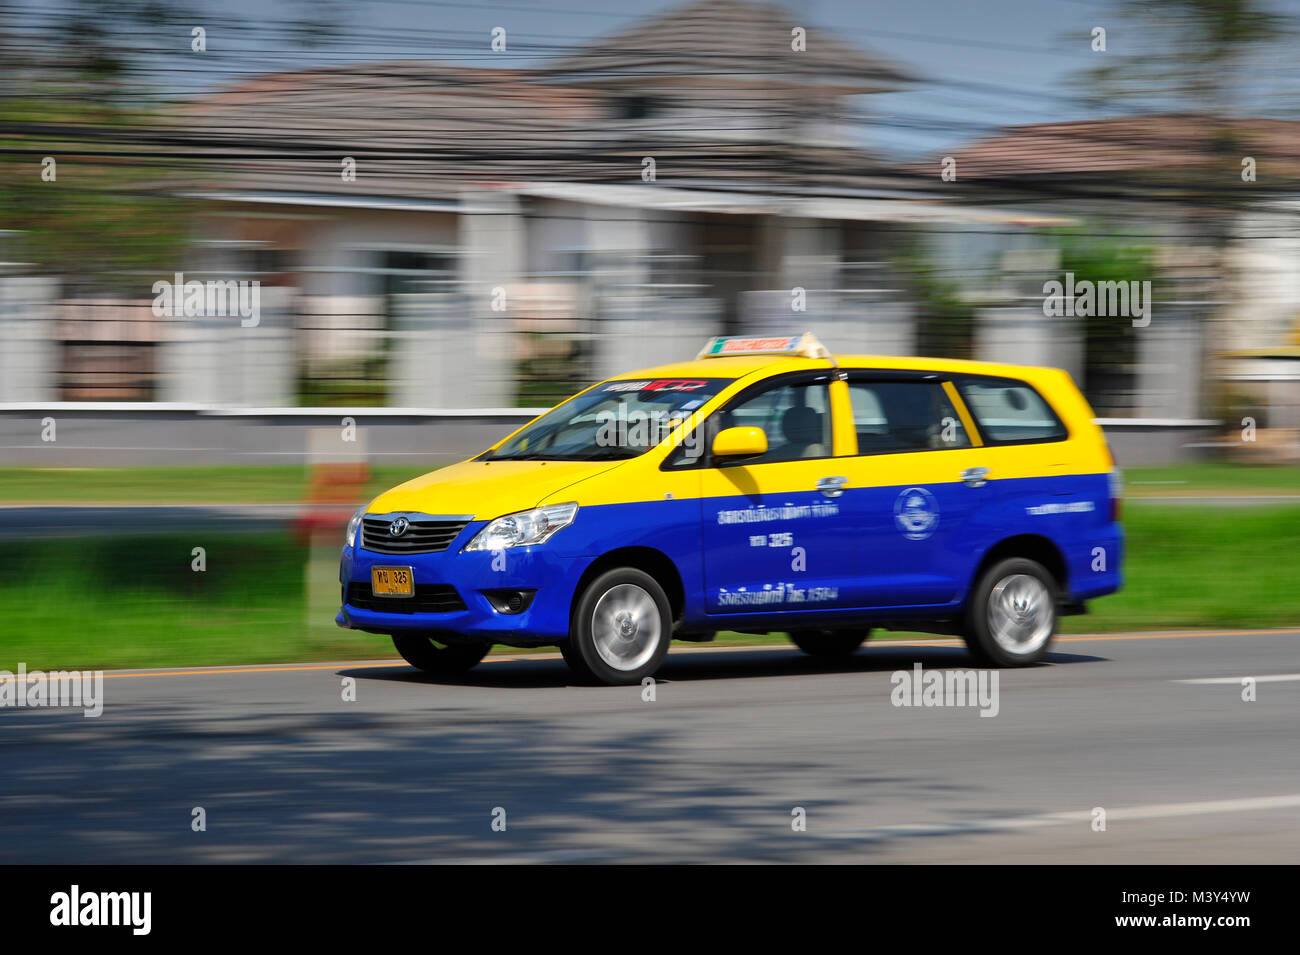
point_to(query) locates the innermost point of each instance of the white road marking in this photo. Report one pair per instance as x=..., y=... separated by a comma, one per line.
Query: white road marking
x=1080, y=817
x=1236, y=680
x=1076, y=817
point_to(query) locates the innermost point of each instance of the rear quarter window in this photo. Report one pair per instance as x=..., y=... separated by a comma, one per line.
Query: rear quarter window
x=1011, y=412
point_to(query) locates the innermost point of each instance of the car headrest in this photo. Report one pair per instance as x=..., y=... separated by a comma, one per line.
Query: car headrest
x=801, y=425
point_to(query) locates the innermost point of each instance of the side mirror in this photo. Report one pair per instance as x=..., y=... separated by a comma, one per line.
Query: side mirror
x=744, y=442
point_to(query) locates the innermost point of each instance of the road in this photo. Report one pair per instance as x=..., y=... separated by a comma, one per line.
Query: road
x=286, y=770
x=54, y=520
x=68, y=520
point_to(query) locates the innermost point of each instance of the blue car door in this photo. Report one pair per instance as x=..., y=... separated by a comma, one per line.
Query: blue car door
x=773, y=536
x=914, y=491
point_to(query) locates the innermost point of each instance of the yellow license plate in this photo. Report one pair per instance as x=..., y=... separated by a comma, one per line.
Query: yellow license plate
x=391, y=582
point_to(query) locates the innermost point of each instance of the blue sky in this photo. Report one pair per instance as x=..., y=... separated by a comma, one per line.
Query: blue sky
x=987, y=63
x=990, y=62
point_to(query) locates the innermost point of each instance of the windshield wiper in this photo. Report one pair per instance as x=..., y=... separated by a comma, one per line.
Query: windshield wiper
x=607, y=454
x=600, y=454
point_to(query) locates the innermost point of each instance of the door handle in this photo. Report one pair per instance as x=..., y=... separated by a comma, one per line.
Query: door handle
x=975, y=477
x=832, y=486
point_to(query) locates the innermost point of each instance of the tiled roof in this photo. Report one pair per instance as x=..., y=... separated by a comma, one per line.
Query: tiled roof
x=419, y=129
x=1139, y=144
x=728, y=38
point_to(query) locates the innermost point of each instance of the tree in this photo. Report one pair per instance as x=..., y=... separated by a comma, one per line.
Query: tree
x=93, y=101
x=1198, y=60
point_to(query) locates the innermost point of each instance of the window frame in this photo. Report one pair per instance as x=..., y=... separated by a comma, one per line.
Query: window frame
x=827, y=375
x=974, y=434
x=1004, y=381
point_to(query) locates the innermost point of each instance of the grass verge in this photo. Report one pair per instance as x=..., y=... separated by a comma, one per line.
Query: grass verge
x=284, y=484
x=136, y=601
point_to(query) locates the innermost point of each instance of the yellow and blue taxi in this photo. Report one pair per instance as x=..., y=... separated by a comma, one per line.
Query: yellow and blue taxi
x=766, y=486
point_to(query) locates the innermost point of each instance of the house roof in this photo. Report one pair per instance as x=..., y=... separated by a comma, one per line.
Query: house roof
x=736, y=39
x=421, y=129
x=415, y=128
x=1137, y=144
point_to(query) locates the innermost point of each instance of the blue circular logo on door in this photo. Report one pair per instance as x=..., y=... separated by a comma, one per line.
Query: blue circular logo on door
x=916, y=513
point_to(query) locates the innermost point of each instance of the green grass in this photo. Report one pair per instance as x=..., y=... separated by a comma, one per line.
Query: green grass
x=1192, y=567
x=280, y=484
x=271, y=484
x=104, y=602
x=135, y=602
x=1212, y=477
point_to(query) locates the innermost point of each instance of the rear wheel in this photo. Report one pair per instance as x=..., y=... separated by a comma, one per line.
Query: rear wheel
x=1011, y=613
x=829, y=644
x=621, y=628
x=568, y=650
x=422, y=651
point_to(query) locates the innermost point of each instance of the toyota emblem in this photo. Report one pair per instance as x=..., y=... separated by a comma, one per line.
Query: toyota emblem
x=398, y=527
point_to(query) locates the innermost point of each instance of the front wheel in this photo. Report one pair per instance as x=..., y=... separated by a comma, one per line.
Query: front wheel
x=621, y=628
x=421, y=651
x=1011, y=614
x=829, y=644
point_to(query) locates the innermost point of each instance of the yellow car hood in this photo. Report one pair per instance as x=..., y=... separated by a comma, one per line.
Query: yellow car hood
x=487, y=489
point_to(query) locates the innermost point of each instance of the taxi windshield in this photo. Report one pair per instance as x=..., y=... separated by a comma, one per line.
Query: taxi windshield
x=613, y=421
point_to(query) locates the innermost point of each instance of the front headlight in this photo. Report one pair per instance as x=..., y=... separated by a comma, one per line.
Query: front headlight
x=353, y=524
x=526, y=527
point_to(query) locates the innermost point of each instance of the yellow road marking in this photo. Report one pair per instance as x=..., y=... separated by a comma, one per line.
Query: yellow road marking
x=1176, y=635
x=1173, y=635
x=278, y=669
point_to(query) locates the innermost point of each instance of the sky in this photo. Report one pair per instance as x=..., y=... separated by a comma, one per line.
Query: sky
x=988, y=63
x=984, y=64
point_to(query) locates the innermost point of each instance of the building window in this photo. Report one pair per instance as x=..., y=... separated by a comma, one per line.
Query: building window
x=636, y=107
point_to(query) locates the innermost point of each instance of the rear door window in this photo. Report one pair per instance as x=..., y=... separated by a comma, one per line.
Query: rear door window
x=901, y=416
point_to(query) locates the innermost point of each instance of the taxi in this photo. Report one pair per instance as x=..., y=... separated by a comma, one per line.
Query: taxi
x=766, y=486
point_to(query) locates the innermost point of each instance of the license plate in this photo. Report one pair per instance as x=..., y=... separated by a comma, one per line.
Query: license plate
x=391, y=582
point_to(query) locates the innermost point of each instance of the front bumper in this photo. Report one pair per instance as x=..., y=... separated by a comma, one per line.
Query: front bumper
x=473, y=575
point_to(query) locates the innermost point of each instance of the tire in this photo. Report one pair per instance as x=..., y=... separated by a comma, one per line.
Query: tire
x=621, y=628
x=1011, y=614
x=829, y=644
x=574, y=660
x=422, y=652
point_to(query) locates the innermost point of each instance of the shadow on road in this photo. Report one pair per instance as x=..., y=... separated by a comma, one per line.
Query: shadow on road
x=286, y=771
x=705, y=665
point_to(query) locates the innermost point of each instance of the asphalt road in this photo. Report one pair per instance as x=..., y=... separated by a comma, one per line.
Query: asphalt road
x=19, y=521
x=54, y=520
x=412, y=771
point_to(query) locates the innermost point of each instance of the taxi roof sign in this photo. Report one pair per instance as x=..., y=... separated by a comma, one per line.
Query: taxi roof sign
x=802, y=346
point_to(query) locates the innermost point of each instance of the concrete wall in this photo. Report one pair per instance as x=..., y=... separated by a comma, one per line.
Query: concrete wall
x=1023, y=335
x=1143, y=442
x=218, y=361
x=844, y=326
x=28, y=352
x=422, y=438
x=124, y=438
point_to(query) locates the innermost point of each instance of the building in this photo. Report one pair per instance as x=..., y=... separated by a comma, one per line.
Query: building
x=431, y=236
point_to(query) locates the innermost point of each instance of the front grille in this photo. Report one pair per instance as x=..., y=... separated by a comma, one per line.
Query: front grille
x=429, y=598
x=423, y=536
